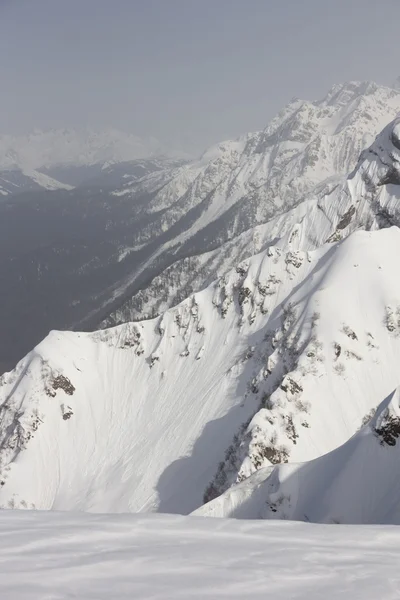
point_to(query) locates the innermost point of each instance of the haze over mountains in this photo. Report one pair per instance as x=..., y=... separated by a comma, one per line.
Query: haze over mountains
x=270, y=268
x=135, y=237
x=64, y=158
x=46, y=149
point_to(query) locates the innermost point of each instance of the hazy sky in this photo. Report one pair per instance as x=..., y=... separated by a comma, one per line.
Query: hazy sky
x=188, y=72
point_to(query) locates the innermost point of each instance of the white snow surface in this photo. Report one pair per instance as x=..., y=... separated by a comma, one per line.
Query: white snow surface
x=356, y=483
x=102, y=557
x=17, y=180
x=46, y=182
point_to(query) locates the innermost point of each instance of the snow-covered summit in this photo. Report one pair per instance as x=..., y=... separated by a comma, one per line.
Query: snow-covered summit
x=306, y=143
x=301, y=146
x=242, y=194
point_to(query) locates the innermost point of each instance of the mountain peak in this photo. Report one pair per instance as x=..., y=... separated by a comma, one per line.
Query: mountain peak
x=343, y=93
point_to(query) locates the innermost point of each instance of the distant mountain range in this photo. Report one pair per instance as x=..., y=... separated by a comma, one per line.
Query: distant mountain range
x=133, y=238
x=71, y=147
x=65, y=158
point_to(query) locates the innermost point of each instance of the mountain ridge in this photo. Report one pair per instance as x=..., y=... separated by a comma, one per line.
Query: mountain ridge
x=356, y=483
x=185, y=401
x=305, y=151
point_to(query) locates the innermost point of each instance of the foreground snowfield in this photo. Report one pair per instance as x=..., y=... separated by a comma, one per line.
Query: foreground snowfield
x=56, y=556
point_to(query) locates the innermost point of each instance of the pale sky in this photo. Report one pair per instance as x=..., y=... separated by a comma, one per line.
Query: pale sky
x=188, y=72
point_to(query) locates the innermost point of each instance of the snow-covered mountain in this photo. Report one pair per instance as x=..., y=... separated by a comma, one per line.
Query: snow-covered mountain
x=116, y=176
x=65, y=158
x=17, y=181
x=162, y=414
x=281, y=359
x=208, y=215
x=71, y=147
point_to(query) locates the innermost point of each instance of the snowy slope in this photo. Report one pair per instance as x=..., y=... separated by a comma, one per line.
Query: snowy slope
x=161, y=414
x=367, y=199
x=356, y=483
x=16, y=181
x=107, y=175
x=52, y=555
x=241, y=188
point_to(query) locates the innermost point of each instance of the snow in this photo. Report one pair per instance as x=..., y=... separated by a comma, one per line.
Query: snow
x=356, y=483
x=95, y=557
x=46, y=182
x=252, y=188
x=250, y=398
x=154, y=406
x=17, y=181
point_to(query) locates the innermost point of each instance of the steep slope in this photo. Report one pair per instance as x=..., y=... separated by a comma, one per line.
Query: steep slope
x=236, y=187
x=159, y=414
x=368, y=199
x=356, y=483
x=63, y=252
x=17, y=181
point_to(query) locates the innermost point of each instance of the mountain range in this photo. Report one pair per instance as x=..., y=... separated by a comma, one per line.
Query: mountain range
x=66, y=158
x=247, y=316
x=134, y=238
x=54, y=147
x=355, y=483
